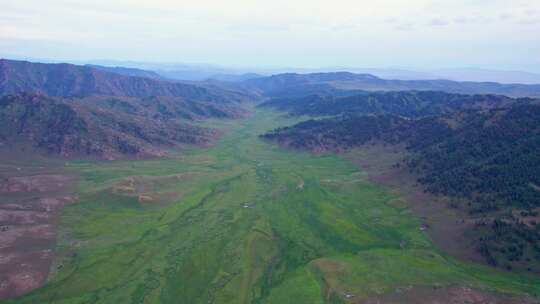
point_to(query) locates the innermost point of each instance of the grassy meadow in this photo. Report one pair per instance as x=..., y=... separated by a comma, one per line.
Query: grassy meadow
x=245, y=222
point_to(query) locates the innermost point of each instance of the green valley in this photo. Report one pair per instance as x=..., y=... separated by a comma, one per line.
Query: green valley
x=246, y=221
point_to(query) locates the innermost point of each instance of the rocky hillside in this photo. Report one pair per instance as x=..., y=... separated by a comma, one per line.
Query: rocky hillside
x=67, y=80
x=105, y=127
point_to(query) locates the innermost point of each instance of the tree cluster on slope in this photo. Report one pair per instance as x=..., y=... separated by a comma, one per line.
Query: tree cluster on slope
x=486, y=157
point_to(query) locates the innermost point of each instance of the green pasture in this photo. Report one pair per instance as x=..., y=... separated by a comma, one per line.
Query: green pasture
x=244, y=221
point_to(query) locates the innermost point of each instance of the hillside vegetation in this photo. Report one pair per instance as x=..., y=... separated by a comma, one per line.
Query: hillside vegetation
x=103, y=127
x=243, y=222
x=149, y=191
x=410, y=104
x=486, y=158
x=83, y=111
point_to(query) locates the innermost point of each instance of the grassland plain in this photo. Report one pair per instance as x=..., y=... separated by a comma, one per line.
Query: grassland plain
x=245, y=222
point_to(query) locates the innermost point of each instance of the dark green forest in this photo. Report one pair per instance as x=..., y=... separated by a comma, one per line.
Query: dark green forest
x=485, y=157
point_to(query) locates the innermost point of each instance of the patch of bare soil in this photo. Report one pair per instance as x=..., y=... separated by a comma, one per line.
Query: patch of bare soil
x=448, y=227
x=149, y=190
x=331, y=271
x=448, y=295
x=36, y=183
x=29, y=210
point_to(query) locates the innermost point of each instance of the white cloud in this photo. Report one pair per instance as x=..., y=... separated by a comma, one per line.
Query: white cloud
x=299, y=32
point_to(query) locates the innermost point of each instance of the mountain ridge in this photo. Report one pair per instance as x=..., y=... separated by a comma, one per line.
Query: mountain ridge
x=351, y=81
x=67, y=80
x=404, y=103
x=106, y=127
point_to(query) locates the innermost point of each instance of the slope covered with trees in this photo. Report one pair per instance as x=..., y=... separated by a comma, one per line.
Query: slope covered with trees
x=485, y=158
x=405, y=103
x=468, y=153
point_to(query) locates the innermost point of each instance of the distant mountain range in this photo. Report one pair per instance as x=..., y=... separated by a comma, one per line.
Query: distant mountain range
x=67, y=80
x=128, y=71
x=277, y=84
x=482, y=75
x=235, y=77
x=108, y=112
x=200, y=72
x=456, y=74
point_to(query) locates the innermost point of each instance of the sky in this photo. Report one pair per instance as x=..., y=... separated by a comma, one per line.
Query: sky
x=497, y=34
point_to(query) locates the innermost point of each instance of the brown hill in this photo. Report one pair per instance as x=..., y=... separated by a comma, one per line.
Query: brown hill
x=105, y=127
x=68, y=80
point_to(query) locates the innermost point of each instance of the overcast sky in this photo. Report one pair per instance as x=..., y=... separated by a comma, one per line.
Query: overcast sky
x=500, y=34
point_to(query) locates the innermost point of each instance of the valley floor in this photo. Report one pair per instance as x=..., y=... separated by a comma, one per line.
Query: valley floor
x=248, y=222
